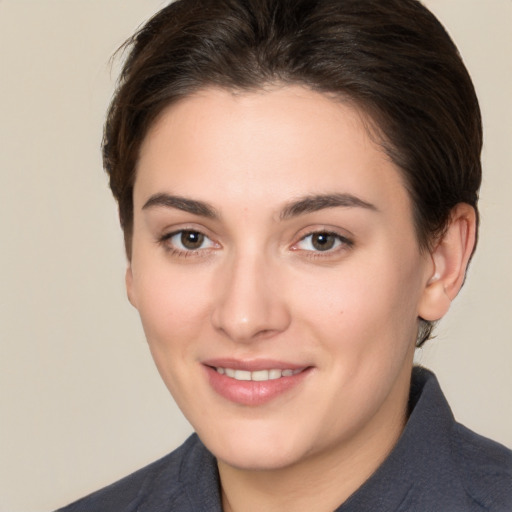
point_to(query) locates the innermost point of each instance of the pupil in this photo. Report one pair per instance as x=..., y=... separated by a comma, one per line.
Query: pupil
x=323, y=241
x=192, y=239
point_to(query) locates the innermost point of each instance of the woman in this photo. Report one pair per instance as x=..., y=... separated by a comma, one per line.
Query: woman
x=297, y=185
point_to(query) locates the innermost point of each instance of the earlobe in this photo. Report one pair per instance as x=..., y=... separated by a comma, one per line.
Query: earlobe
x=450, y=259
x=129, y=286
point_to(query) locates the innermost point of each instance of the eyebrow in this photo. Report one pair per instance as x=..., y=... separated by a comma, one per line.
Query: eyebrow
x=301, y=206
x=181, y=203
x=314, y=203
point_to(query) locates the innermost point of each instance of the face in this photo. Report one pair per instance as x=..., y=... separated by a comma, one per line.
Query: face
x=277, y=273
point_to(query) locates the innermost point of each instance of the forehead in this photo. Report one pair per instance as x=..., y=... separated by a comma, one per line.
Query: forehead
x=263, y=145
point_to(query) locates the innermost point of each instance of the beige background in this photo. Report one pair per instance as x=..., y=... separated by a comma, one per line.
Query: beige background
x=80, y=402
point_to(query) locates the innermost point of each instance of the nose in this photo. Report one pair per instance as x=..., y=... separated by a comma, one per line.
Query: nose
x=250, y=302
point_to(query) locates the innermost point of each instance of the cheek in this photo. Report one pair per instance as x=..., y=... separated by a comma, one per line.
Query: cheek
x=174, y=314
x=172, y=305
x=364, y=305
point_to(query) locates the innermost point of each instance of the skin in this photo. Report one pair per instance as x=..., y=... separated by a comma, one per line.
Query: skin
x=256, y=287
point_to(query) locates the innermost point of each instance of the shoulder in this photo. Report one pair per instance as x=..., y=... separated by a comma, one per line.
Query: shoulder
x=162, y=477
x=485, y=469
x=451, y=467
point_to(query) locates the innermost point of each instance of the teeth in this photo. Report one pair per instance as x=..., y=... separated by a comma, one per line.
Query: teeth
x=242, y=375
x=274, y=374
x=259, y=375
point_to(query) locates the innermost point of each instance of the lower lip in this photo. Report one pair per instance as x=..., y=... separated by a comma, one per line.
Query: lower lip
x=249, y=392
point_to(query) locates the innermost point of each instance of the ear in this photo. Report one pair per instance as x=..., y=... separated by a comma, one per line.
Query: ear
x=450, y=260
x=129, y=285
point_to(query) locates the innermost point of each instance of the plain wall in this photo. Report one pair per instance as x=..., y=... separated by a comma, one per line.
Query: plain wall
x=81, y=403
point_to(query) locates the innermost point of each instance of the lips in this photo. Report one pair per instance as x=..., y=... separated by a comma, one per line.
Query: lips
x=253, y=383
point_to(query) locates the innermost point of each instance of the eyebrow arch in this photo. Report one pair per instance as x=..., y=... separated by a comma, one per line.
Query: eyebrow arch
x=314, y=203
x=181, y=203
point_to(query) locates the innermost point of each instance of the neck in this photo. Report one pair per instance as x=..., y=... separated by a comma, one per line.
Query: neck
x=320, y=482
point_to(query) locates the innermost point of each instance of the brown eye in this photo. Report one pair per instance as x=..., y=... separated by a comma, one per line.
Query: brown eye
x=323, y=241
x=191, y=240
x=187, y=242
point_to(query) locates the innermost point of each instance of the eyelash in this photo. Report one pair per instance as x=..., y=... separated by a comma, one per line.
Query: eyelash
x=165, y=242
x=343, y=243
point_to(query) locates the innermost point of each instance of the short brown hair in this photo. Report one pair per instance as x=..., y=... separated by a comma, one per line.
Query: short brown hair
x=392, y=58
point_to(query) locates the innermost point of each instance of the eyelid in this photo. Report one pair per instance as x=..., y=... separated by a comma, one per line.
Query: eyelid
x=343, y=242
x=165, y=241
x=206, y=238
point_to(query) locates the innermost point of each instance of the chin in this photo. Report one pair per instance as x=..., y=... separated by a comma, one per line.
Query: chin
x=257, y=446
x=256, y=459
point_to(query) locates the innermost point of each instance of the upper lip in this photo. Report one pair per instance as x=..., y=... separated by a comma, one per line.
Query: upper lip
x=253, y=364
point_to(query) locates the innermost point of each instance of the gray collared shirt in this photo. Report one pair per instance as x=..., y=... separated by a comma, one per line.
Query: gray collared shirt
x=437, y=465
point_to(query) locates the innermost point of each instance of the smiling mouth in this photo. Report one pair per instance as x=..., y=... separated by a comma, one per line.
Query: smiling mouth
x=257, y=375
x=254, y=383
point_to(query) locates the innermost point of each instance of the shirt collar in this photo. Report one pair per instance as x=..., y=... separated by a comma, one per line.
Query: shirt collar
x=419, y=458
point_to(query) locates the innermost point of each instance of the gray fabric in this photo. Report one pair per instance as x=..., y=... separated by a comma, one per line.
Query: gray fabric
x=437, y=466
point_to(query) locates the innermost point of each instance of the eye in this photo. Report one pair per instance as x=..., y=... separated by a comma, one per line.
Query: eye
x=187, y=240
x=322, y=241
